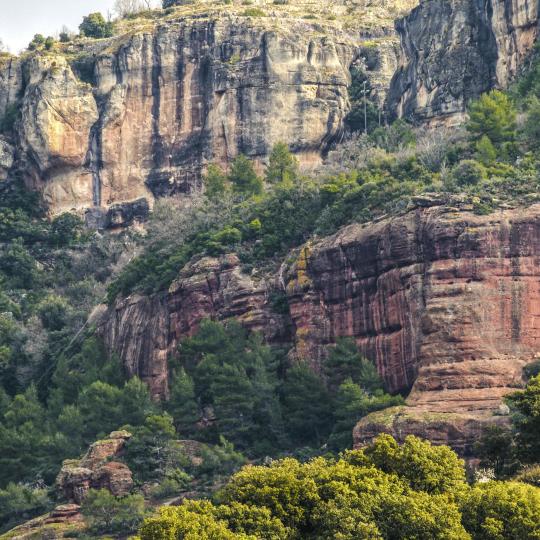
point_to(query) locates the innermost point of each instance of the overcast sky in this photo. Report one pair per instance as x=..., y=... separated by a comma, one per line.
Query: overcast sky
x=21, y=19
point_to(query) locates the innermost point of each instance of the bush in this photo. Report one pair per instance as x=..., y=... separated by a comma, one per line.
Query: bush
x=106, y=513
x=38, y=41
x=468, y=172
x=20, y=503
x=254, y=12
x=95, y=26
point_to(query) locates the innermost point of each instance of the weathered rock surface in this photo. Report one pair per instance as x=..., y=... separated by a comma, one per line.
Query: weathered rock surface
x=445, y=302
x=65, y=521
x=96, y=470
x=144, y=331
x=7, y=156
x=200, y=85
x=453, y=50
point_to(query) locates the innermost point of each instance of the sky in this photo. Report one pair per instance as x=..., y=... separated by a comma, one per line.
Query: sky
x=21, y=19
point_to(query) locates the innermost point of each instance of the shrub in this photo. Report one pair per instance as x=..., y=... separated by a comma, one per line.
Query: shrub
x=38, y=41
x=468, y=172
x=95, y=26
x=106, y=513
x=254, y=12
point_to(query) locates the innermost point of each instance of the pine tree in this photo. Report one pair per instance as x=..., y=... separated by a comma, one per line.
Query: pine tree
x=282, y=165
x=306, y=406
x=243, y=177
x=215, y=182
x=485, y=151
x=182, y=404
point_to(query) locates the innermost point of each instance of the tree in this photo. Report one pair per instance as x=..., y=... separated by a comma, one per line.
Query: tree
x=282, y=165
x=497, y=510
x=493, y=115
x=425, y=467
x=243, y=177
x=306, y=406
x=527, y=404
x=148, y=450
x=344, y=361
x=20, y=503
x=106, y=513
x=352, y=403
x=531, y=129
x=19, y=265
x=38, y=41
x=468, y=172
x=95, y=26
x=182, y=404
x=486, y=153
x=215, y=182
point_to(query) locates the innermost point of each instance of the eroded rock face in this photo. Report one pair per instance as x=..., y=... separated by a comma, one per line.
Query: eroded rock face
x=58, y=112
x=453, y=50
x=140, y=116
x=444, y=301
x=144, y=331
x=97, y=470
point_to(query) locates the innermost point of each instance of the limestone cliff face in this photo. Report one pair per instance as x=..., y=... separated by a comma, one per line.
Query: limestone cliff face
x=139, y=116
x=453, y=50
x=443, y=300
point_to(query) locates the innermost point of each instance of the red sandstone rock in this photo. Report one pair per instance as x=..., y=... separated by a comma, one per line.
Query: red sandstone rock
x=96, y=470
x=444, y=301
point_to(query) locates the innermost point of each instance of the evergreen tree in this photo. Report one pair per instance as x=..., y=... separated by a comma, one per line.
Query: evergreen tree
x=182, y=404
x=306, y=406
x=486, y=153
x=243, y=177
x=215, y=182
x=493, y=115
x=344, y=361
x=282, y=165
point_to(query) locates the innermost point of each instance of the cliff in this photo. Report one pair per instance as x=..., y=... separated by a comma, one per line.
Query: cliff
x=444, y=301
x=453, y=50
x=111, y=124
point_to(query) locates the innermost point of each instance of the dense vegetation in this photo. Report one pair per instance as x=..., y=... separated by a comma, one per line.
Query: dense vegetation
x=385, y=491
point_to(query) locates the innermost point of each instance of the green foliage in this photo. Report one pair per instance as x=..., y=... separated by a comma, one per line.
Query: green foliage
x=486, y=153
x=149, y=450
x=182, y=404
x=19, y=503
x=243, y=177
x=527, y=404
x=468, y=172
x=254, y=12
x=220, y=459
x=215, y=182
x=497, y=510
x=345, y=499
x=496, y=450
x=94, y=25
x=397, y=136
x=106, y=513
x=234, y=373
x=38, y=42
x=493, y=115
x=362, y=107
x=306, y=406
x=282, y=165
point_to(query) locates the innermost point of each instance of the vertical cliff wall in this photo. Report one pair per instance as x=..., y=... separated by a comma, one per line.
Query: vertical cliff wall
x=109, y=125
x=445, y=302
x=453, y=50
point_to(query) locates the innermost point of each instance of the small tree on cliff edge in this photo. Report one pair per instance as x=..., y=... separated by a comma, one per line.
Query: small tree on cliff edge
x=95, y=26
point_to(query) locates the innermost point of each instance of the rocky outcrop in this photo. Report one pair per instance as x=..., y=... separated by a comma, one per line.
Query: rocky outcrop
x=6, y=158
x=453, y=50
x=139, y=116
x=444, y=301
x=96, y=470
x=65, y=521
x=144, y=331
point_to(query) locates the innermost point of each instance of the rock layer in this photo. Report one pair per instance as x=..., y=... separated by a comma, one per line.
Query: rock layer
x=139, y=116
x=444, y=301
x=453, y=50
